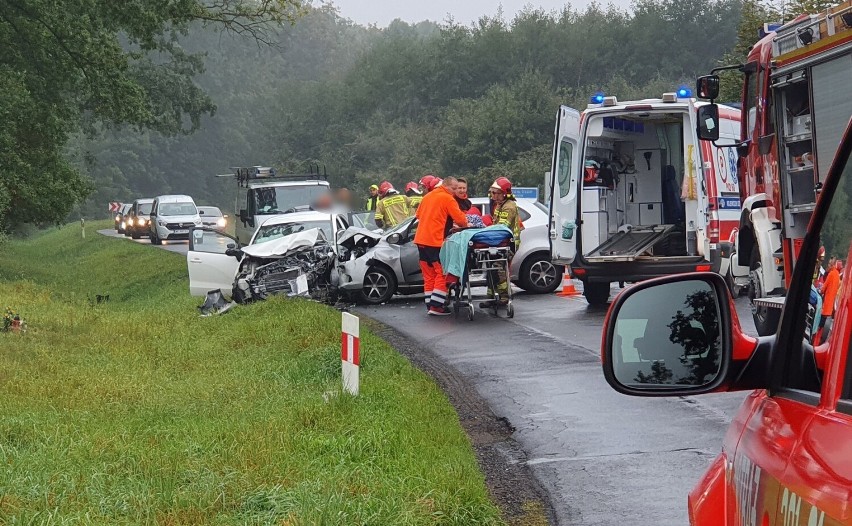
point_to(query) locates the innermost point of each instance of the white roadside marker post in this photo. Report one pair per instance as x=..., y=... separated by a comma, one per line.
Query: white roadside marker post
x=350, y=355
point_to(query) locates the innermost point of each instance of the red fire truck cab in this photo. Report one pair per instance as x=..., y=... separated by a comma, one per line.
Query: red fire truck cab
x=795, y=107
x=786, y=458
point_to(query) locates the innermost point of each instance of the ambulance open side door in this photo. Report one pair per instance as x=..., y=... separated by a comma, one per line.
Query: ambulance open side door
x=565, y=179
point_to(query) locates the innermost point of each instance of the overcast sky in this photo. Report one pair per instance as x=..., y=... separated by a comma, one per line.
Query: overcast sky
x=382, y=12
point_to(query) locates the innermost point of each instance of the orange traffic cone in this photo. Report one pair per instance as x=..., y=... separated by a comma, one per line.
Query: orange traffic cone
x=568, y=288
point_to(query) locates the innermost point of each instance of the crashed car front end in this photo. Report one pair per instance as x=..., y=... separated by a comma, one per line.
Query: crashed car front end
x=304, y=266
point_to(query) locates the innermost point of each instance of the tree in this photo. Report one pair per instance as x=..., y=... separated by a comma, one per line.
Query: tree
x=75, y=64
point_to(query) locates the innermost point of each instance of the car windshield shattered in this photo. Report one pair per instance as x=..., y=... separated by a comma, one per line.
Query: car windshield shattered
x=270, y=232
x=177, y=209
x=281, y=199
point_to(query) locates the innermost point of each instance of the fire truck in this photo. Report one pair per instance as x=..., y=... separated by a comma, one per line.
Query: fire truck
x=795, y=104
x=785, y=459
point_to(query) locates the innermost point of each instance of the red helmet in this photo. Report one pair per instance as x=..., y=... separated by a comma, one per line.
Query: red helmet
x=821, y=253
x=411, y=186
x=434, y=183
x=503, y=185
x=427, y=181
x=385, y=187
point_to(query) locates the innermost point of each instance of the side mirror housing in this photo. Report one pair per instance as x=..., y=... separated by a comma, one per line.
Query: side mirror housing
x=243, y=215
x=201, y=212
x=708, y=122
x=672, y=336
x=742, y=149
x=707, y=87
x=394, y=238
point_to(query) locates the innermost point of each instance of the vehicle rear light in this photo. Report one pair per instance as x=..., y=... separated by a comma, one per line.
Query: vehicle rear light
x=714, y=230
x=703, y=268
x=578, y=271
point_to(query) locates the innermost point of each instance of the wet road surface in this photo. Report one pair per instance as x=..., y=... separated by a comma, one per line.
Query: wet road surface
x=603, y=457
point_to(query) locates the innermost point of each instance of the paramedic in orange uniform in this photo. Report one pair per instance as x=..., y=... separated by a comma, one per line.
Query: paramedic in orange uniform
x=435, y=209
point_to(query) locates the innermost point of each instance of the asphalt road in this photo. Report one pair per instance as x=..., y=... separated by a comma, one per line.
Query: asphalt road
x=180, y=247
x=604, y=458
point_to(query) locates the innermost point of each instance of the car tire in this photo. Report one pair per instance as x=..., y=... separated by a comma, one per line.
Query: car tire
x=597, y=294
x=378, y=287
x=766, y=320
x=539, y=275
x=155, y=240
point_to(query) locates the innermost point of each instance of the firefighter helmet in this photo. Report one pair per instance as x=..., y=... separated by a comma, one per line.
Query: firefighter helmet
x=412, y=187
x=502, y=184
x=427, y=181
x=384, y=188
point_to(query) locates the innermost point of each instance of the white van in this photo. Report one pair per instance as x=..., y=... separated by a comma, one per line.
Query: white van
x=172, y=216
x=636, y=195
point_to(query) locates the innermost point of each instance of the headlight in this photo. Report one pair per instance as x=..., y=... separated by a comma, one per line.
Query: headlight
x=140, y=221
x=198, y=222
x=221, y=221
x=160, y=223
x=118, y=218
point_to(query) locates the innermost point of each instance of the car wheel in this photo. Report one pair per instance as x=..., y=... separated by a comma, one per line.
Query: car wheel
x=766, y=320
x=539, y=275
x=597, y=294
x=379, y=285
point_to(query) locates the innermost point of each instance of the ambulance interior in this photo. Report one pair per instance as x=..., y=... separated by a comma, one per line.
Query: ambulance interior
x=631, y=199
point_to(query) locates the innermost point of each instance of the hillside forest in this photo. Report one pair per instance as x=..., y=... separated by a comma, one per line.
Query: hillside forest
x=394, y=103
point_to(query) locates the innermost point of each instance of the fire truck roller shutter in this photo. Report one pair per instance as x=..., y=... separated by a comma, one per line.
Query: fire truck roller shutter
x=832, y=107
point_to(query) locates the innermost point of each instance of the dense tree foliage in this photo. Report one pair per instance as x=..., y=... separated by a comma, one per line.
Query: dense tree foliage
x=394, y=103
x=72, y=64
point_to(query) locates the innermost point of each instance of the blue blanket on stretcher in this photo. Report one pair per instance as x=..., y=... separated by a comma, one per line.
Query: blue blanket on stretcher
x=454, y=250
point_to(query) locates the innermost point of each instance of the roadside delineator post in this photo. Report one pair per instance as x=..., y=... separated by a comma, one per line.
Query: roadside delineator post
x=83, y=227
x=568, y=288
x=350, y=355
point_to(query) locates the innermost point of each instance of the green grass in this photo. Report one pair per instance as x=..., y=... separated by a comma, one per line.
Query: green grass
x=138, y=411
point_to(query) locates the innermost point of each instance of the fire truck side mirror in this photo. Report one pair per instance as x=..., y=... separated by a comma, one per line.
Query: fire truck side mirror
x=670, y=336
x=707, y=87
x=708, y=122
x=243, y=216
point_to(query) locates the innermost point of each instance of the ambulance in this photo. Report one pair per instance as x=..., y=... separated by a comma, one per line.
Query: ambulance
x=635, y=195
x=786, y=459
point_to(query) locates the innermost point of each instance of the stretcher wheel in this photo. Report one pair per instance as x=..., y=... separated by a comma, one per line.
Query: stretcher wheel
x=510, y=310
x=470, y=313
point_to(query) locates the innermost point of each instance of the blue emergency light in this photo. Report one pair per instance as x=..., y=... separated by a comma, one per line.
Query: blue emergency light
x=597, y=98
x=684, y=93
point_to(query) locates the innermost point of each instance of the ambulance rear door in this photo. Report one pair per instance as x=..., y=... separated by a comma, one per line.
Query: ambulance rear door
x=565, y=185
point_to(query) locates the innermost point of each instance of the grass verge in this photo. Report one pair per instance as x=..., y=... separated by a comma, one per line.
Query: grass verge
x=136, y=410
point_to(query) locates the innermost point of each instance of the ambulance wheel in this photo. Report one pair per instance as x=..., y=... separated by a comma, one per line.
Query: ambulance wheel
x=765, y=319
x=379, y=286
x=597, y=294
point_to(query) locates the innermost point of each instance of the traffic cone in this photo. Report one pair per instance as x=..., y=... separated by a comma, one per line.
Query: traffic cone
x=568, y=288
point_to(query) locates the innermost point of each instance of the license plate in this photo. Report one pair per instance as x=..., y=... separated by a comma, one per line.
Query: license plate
x=180, y=231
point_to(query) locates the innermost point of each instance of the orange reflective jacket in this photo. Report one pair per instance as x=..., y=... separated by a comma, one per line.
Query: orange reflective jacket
x=432, y=214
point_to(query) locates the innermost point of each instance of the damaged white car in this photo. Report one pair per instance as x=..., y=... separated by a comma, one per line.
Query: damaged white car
x=374, y=266
x=287, y=255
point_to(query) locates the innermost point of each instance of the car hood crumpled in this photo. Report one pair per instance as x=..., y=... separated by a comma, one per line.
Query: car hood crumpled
x=281, y=246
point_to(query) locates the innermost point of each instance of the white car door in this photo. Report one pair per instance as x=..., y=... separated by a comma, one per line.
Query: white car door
x=209, y=267
x=565, y=184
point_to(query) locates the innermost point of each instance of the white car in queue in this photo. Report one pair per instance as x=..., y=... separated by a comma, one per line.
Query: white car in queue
x=211, y=268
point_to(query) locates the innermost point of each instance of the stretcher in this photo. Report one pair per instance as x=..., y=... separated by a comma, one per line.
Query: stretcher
x=489, y=251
